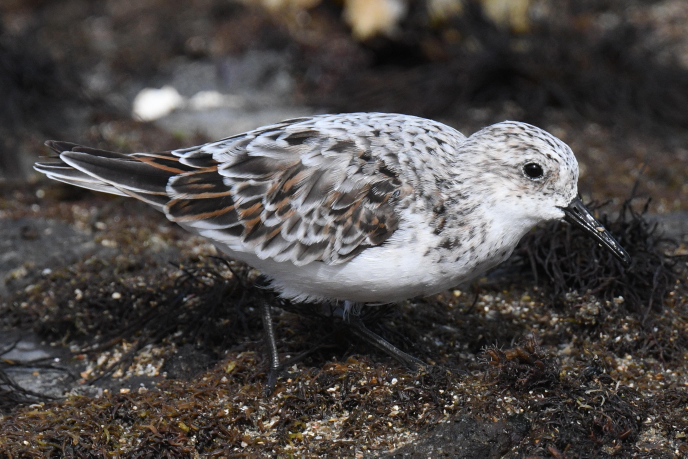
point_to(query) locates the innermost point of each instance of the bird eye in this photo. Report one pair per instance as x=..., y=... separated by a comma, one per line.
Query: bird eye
x=533, y=170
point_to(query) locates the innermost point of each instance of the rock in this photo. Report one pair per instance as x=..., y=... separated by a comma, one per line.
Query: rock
x=30, y=245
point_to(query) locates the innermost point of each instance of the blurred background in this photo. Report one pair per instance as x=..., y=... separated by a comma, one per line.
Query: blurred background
x=609, y=77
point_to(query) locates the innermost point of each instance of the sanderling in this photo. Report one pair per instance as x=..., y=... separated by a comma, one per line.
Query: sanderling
x=357, y=207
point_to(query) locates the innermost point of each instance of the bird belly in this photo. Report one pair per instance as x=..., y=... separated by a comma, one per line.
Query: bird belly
x=405, y=266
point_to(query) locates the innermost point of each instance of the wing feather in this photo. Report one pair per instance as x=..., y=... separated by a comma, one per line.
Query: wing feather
x=299, y=191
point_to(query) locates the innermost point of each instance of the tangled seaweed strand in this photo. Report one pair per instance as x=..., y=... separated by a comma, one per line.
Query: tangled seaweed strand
x=523, y=367
x=581, y=413
x=200, y=306
x=568, y=260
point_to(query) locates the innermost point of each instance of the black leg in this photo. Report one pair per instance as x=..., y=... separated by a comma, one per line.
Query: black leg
x=359, y=329
x=350, y=313
x=268, y=329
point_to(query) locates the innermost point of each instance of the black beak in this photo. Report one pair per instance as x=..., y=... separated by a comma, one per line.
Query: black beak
x=577, y=214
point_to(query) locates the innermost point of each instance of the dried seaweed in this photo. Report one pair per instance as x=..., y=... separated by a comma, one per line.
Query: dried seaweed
x=204, y=307
x=582, y=414
x=218, y=417
x=524, y=367
x=222, y=411
x=565, y=259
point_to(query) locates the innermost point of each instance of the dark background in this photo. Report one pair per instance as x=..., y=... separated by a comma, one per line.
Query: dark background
x=609, y=77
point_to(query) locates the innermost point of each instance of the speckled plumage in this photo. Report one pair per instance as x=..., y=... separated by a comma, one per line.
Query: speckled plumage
x=364, y=207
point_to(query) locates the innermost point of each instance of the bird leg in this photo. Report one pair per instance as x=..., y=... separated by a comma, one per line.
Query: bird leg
x=350, y=313
x=269, y=330
x=353, y=320
x=277, y=367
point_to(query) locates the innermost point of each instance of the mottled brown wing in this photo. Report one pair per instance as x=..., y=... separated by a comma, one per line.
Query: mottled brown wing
x=289, y=192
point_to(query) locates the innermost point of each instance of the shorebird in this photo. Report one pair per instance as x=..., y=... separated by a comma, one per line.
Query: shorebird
x=353, y=208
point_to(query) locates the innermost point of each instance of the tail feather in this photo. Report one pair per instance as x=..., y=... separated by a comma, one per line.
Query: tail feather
x=125, y=173
x=139, y=175
x=60, y=147
x=57, y=169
